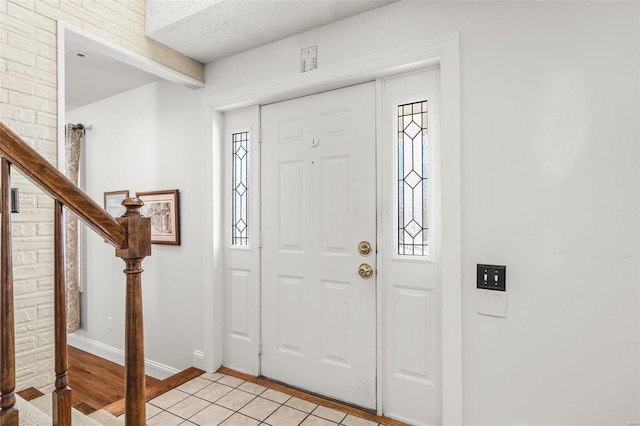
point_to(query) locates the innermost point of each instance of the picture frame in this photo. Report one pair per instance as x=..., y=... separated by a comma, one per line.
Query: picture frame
x=113, y=202
x=163, y=207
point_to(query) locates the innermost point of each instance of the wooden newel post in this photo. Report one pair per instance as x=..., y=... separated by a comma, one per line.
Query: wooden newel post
x=138, y=230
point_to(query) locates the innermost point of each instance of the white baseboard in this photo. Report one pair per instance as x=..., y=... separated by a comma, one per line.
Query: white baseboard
x=152, y=368
x=198, y=359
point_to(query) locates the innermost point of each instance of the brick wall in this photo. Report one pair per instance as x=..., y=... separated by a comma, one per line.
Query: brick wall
x=28, y=96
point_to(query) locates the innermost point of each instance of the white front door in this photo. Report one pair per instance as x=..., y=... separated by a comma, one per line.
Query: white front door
x=318, y=204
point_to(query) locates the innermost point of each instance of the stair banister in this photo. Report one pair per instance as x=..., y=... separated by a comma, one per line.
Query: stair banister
x=8, y=412
x=129, y=234
x=56, y=185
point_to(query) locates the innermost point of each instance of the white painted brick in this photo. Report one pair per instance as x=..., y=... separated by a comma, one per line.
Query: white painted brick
x=50, y=9
x=46, y=365
x=24, y=286
x=45, y=256
x=32, y=131
x=28, y=257
x=25, y=229
x=46, y=339
x=13, y=82
x=31, y=102
x=48, y=92
x=31, y=17
x=25, y=315
x=45, y=311
x=27, y=4
x=46, y=64
x=26, y=343
x=30, y=243
x=32, y=215
x=70, y=11
x=27, y=200
x=35, y=357
x=17, y=25
x=47, y=148
x=45, y=229
x=13, y=113
x=33, y=300
x=124, y=11
x=40, y=75
x=44, y=201
x=46, y=37
x=100, y=32
x=15, y=54
x=40, y=326
x=31, y=271
x=46, y=119
x=25, y=369
x=45, y=284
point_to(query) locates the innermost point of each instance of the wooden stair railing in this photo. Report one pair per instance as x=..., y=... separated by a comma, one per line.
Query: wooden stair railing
x=131, y=237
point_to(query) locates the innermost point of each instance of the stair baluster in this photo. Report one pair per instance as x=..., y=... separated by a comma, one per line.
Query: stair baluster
x=62, y=394
x=9, y=413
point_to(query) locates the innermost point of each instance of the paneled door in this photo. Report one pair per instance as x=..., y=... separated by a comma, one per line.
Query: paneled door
x=318, y=205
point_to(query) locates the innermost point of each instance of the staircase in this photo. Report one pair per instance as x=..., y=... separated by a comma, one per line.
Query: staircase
x=38, y=412
x=131, y=237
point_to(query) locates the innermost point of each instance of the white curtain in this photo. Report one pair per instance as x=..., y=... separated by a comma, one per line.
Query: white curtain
x=73, y=138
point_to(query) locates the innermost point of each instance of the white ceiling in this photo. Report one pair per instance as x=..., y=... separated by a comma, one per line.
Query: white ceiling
x=99, y=77
x=204, y=30
x=208, y=30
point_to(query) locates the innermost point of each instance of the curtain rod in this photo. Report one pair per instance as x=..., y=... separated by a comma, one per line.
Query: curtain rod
x=81, y=126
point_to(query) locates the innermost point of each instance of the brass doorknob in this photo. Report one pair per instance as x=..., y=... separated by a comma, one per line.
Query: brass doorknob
x=365, y=270
x=364, y=248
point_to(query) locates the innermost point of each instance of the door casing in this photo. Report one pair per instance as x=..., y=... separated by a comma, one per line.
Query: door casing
x=442, y=52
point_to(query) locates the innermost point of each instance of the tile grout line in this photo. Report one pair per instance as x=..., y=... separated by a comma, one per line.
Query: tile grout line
x=254, y=396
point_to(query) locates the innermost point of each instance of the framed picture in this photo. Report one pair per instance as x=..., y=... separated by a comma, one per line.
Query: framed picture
x=113, y=202
x=163, y=207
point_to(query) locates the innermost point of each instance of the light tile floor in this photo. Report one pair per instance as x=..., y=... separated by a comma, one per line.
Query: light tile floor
x=219, y=399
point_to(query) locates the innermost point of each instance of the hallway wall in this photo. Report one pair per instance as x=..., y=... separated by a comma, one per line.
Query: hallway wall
x=148, y=139
x=550, y=188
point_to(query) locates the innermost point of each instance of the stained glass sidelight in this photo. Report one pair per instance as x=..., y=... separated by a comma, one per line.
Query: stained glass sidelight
x=413, y=175
x=240, y=189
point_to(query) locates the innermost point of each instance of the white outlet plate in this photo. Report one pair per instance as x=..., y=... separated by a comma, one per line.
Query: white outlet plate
x=309, y=59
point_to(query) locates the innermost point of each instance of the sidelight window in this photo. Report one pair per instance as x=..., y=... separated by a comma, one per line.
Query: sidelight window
x=413, y=178
x=240, y=189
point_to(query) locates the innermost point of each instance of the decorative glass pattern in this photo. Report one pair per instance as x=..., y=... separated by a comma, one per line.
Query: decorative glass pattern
x=413, y=175
x=240, y=189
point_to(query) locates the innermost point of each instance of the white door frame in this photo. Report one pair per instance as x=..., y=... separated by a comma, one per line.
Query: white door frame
x=442, y=52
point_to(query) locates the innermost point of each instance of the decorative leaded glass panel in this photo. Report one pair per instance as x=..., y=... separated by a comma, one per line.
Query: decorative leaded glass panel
x=413, y=175
x=240, y=189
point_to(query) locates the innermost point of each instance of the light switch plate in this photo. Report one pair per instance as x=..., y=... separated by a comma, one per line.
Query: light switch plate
x=491, y=277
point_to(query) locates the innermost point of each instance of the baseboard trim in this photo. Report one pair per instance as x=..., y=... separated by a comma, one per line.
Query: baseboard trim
x=198, y=359
x=152, y=368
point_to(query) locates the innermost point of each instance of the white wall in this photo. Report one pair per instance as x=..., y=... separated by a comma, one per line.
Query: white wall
x=550, y=188
x=143, y=140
